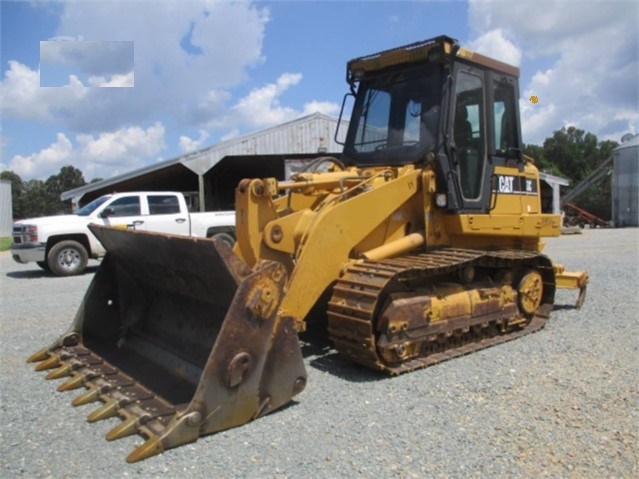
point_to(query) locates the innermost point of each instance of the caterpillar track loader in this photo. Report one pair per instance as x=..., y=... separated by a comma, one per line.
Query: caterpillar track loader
x=422, y=242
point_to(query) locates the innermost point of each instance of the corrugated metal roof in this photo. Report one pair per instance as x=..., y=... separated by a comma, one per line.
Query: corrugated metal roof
x=308, y=134
x=305, y=135
x=550, y=179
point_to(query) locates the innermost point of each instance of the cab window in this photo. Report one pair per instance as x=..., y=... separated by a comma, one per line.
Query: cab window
x=373, y=132
x=163, y=205
x=127, y=206
x=505, y=135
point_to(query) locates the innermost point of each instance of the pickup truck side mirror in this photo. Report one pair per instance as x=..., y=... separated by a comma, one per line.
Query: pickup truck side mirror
x=107, y=212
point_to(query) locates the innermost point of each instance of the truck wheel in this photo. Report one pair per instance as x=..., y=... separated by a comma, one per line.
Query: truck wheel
x=67, y=258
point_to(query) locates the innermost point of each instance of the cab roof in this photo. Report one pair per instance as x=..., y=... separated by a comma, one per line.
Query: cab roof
x=434, y=49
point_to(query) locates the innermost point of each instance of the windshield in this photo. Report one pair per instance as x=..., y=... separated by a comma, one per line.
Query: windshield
x=396, y=116
x=86, y=210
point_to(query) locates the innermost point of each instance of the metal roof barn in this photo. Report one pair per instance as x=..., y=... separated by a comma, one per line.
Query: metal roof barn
x=209, y=176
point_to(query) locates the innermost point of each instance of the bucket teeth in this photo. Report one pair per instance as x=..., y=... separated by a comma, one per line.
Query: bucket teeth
x=53, y=361
x=76, y=382
x=93, y=394
x=126, y=428
x=39, y=356
x=151, y=447
x=62, y=372
x=107, y=410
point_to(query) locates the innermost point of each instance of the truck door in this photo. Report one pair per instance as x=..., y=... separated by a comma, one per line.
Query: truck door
x=124, y=212
x=165, y=215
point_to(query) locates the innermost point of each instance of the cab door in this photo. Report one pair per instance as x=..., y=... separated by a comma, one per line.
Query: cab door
x=469, y=137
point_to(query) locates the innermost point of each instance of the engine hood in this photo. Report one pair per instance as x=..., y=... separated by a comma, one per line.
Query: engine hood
x=52, y=220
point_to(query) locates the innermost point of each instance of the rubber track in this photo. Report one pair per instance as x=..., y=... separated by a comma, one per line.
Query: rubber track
x=353, y=307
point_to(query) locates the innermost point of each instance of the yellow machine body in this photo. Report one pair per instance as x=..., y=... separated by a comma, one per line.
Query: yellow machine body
x=421, y=243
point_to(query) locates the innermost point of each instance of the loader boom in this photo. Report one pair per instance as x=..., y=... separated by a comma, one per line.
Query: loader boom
x=330, y=231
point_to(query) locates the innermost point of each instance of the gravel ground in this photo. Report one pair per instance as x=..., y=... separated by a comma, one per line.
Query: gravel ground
x=559, y=403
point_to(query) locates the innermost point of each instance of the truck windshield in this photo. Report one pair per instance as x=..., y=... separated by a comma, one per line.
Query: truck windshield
x=87, y=209
x=395, y=117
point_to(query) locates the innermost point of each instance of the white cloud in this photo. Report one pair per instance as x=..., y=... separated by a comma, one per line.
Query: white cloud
x=190, y=57
x=4, y=141
x=188, y=144
x=21, y=96
x=589, y=53
x=96, y=58
x=261, y=107
x=126, y=80
x=51, y=158
x=170, y=79
x=103, y=155
x=326, y=107
x=495, y=45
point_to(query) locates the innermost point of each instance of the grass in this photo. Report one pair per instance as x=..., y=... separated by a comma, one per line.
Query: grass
x=5, y=242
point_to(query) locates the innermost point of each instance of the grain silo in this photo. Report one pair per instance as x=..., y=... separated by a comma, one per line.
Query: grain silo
x=6, y=215
x=625, y=182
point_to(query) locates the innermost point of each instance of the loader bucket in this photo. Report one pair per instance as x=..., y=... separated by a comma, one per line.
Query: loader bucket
x=179, y=338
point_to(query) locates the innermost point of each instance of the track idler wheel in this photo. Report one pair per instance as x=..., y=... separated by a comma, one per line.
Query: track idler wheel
x=530, y=292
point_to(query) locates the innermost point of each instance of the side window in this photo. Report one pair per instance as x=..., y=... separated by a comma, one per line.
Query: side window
x=127, y=206
x=163, y=204
x=468, y=133
x=505, y=135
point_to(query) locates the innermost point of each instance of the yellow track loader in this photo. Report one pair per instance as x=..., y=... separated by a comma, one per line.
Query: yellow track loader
x=422, y=242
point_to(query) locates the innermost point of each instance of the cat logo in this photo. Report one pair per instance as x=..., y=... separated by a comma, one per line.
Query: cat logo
x=514, y=185
x=506, y=184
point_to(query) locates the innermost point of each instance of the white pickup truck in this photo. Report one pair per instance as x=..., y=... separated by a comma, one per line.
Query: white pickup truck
x=63, y=244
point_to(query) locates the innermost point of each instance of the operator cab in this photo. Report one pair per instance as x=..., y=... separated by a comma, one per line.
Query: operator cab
x=434, y=99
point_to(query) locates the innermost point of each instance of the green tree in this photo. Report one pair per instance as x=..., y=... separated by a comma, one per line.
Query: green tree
x=573, y=151
x=574, y=154
x=606, y=147
x=34, y=198
x=68, y=178
x=536, y=152
x=36, y=201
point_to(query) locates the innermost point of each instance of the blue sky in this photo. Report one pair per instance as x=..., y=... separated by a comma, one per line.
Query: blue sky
x=207, y=71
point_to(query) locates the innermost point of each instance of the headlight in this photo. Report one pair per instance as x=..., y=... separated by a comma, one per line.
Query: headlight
x=440, y=200
x=32, y=233
x=29, y=233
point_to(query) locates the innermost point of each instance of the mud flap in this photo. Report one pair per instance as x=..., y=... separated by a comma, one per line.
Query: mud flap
x=155, y=342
